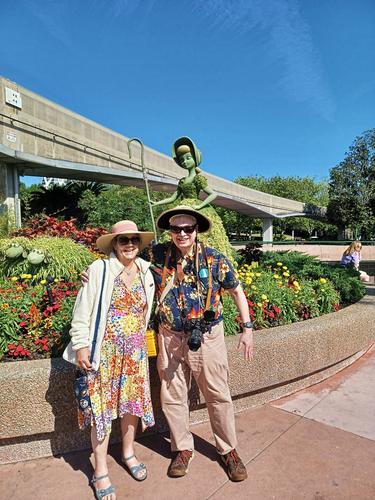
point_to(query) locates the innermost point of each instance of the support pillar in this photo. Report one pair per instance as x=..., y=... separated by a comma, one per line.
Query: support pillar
x=9, y=193
x=268, y=230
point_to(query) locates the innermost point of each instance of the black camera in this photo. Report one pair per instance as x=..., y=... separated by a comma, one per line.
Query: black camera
x=195, y=339
x=196, y=328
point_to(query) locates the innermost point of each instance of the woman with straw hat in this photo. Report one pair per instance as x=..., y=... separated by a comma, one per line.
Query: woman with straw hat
x=114, y=307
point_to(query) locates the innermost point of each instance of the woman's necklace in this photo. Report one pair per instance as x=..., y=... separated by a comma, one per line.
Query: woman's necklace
x=130, y=269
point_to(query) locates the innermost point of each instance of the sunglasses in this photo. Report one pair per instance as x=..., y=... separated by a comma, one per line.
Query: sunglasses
x=124, y=240
x=185, y=229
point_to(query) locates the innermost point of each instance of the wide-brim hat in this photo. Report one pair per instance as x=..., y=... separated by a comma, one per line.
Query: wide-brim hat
x=105, y=242
x=203, y=222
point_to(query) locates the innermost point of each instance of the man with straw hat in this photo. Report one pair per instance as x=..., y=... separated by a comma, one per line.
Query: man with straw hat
x=190, y=279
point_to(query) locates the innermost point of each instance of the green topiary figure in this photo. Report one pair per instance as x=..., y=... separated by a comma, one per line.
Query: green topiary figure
x=186, y=154
x=39, y=257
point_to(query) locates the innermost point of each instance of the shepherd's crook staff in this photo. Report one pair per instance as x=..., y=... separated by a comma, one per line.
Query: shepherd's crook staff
x=144, y=171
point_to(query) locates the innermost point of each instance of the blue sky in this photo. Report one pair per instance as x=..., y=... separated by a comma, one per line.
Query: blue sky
x=264, y=87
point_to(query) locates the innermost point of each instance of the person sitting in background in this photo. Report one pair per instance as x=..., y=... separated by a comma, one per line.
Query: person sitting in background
x=352, y=256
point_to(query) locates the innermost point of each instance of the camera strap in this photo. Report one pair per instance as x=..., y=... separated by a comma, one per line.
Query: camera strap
x=209, y=289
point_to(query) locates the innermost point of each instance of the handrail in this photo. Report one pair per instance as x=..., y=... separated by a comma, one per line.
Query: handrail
x=108, y=156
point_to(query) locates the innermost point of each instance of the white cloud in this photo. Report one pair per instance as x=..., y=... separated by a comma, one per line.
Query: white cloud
x=289, y=43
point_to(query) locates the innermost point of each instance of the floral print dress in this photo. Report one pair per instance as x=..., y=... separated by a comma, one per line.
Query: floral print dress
x=121, y=384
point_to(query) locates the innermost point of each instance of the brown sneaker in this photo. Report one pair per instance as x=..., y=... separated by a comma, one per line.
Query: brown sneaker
x=180, y=464
x=234, y=466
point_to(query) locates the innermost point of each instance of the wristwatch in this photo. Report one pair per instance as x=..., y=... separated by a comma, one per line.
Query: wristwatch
x=247, y=324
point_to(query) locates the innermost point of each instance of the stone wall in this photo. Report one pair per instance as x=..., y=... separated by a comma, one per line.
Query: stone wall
x=39, y=416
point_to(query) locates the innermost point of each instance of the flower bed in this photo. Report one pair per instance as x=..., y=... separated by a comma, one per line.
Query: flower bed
x=298, y=287
x=285, y=287
x=34, y=322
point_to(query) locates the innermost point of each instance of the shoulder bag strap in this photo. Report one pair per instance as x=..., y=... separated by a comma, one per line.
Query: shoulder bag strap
x=98, y=314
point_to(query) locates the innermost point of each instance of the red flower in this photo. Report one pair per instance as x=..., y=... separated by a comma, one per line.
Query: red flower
x=276, y=309
x=14, y=310
x=23, y=323
x=45, y=347
x=271, y=314
x=11, y=347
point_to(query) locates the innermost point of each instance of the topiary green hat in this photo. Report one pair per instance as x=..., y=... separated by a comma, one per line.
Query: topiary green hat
x=197, y=155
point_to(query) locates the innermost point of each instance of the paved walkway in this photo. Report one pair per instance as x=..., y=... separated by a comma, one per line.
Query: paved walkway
x=317, y=444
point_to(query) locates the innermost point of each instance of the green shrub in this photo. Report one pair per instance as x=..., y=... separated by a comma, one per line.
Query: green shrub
x=231, y=324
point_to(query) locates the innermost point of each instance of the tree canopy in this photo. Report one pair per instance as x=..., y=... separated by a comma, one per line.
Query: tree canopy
x=304, y=189
x=352, y=188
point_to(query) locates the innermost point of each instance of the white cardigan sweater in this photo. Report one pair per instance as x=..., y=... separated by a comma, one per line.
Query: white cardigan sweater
x=87, y=302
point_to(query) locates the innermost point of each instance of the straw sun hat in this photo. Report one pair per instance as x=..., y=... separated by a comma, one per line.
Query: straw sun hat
x=105, y=242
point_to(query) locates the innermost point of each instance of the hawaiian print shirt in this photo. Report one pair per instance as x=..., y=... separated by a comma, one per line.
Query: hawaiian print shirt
x=183, y=299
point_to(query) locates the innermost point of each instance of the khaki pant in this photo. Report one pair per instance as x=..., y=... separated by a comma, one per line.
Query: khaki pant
x=209, y=366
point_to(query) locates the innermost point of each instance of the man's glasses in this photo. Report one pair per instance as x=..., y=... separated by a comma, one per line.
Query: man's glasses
x=124, y=240
x=185, y=229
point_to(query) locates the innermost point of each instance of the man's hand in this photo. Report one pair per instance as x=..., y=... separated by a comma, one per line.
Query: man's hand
x=83, y=358
x=84, y=277
x=246, y=341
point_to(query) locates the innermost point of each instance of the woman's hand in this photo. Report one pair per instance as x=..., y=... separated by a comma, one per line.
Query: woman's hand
x=83, y=358
x=84, y=277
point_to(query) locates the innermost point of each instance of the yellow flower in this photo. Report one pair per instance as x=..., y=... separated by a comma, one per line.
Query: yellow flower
x=258, y=274
x=286, y=274
x=13, y=278
x=279, y=264
x=323, y=280
x=43, y=282
x=264, y=297
x=248, y=281
x=56, y=280
x=295, y=283
x=259, y=304
x=253, y=287
x=23, y=276
x=279, y=282
x=284, y=267
x=5, y=306
x=276, y=276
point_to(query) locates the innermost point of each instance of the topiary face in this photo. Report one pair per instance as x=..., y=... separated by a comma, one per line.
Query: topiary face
x=14, y=251
x=43, y=256
x=36, y=256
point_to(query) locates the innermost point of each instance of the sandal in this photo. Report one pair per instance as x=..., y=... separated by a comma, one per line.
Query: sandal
x=135, y=470
x=101, y=493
